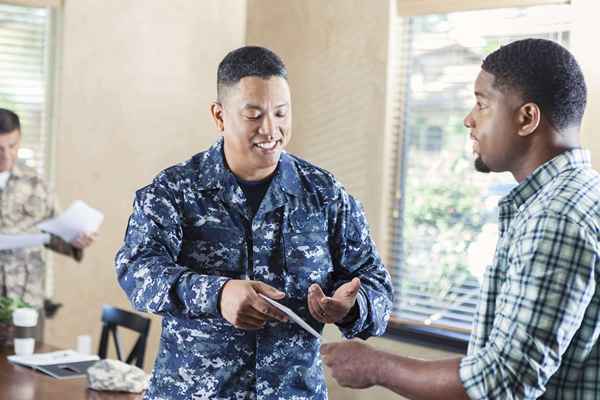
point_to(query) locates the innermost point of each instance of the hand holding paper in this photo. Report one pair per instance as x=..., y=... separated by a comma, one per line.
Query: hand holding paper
x=78, y=219
x=242, y=306
x=293, y=316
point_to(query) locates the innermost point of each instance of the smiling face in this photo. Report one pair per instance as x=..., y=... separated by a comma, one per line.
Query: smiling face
x=255, y=117
x=9, y=149
x=494, y=125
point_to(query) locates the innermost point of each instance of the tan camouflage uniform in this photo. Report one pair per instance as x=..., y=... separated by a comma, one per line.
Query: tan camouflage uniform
x=25, y=202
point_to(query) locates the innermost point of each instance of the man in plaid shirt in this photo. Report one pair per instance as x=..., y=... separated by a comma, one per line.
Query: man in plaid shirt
x=536, y=331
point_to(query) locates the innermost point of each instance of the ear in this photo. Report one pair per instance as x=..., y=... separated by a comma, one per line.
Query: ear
x=529, y=118
x=216, y=110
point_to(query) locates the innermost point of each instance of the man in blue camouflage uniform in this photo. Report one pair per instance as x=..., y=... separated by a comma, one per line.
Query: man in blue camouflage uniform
x=536, y=330
x=244, y=218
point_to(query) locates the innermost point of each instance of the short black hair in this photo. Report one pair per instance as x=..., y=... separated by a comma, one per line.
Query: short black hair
x=545, y=73
x=9, y=121
x=248, y=61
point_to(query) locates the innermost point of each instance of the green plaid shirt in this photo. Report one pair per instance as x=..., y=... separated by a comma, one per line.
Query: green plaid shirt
x=536, y=331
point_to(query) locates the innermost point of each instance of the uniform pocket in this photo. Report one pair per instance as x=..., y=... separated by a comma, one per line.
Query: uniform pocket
x=307, y=260
x=214, y=251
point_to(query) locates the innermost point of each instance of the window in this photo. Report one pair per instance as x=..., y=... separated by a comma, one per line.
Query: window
x=444, y=213
x=24, y=33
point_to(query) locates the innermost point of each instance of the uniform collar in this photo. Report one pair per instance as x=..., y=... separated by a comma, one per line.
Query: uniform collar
x=216, y=175
x=545, y=173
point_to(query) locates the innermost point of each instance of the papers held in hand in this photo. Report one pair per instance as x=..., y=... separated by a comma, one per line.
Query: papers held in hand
x=292, y=315
x=58, y=364
x=78, y=218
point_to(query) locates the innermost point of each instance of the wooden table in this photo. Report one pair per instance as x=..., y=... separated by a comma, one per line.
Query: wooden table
x=22, y=383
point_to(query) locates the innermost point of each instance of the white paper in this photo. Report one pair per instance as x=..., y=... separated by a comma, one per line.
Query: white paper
x=292, y=315
x=53, y=357
x=77, y=219
x=10, y=242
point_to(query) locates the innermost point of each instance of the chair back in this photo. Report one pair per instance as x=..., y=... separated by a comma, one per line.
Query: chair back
x=112, y=318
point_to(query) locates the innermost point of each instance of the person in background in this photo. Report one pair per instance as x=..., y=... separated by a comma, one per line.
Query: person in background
x=243, y=219
x=26, y=201
x=536, y=331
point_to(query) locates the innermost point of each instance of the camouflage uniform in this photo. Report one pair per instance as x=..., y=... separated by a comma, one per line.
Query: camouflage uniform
x=25, y=202
x=191, y=231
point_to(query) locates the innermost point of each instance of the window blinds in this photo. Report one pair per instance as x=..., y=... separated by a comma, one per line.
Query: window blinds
x=23, y=75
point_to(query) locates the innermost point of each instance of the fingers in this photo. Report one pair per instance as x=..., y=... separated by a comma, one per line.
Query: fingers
x=242, y=306
x=269, y=291
x=84, y=240
x=248, y=322
x=348, y=290
x=326, y=350
x=316, y=300
x=333, y=309
x=260, y=308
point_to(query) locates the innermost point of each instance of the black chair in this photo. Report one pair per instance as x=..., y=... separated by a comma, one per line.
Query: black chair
x=113, y=317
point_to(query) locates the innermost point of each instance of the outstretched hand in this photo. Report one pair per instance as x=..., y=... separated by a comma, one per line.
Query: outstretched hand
x=353, y=364
x=335, y=308
x=245, y=309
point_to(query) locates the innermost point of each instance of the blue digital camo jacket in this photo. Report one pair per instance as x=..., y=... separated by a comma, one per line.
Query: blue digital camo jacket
x=191, y=231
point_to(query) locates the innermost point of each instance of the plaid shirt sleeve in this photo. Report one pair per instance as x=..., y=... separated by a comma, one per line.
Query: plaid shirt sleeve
x=549, y=283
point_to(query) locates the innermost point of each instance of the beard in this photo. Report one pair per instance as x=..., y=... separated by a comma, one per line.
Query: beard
x=480, y=166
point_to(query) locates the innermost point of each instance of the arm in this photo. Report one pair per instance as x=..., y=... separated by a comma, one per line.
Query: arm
x=540, y=308
x=355, y=256
x=146, y=264
x=550, y=282
x=360, y=366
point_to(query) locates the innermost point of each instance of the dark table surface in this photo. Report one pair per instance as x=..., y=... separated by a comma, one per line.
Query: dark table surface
x=22, y=383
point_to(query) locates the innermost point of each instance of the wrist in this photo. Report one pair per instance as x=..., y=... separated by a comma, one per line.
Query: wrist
x=378, y=361
x=220, y=298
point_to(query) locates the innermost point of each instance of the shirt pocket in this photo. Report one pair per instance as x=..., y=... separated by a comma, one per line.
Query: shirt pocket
x=214, y=250
x=307, y=254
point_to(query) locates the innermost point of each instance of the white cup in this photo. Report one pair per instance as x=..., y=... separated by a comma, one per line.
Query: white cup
x=25, y=321
x=24, y=347
x=84, y=344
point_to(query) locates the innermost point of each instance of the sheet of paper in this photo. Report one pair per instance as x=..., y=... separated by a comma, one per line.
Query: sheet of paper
x=77, y=219
x=293, y=316
x=10, y=242
x=53, y=357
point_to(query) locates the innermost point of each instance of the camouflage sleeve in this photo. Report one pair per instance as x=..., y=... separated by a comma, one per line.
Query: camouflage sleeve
x=355, y=255
x=146, y=264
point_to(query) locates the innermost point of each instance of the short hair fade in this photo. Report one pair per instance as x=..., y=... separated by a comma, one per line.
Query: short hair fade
x=545, y=73
x=9, y=121
x=248, y=61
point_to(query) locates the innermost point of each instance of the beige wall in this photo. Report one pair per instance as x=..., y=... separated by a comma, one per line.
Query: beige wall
x=134, y=85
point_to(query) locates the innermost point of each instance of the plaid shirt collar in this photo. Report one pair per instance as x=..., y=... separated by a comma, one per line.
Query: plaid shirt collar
x=528, y=188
